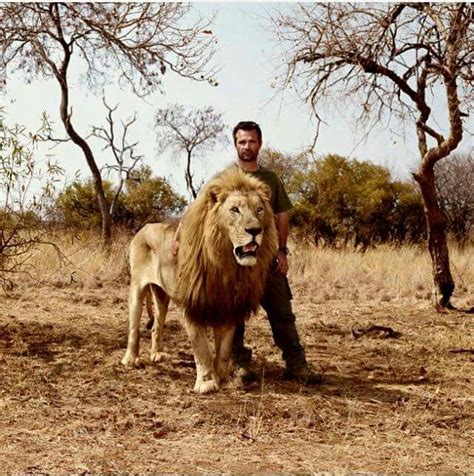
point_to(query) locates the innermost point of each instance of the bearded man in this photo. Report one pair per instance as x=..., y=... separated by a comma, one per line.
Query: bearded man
x=277, y=297
x=276, y=301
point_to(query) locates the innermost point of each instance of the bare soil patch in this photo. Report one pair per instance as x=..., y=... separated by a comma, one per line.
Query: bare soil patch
x=390, y=403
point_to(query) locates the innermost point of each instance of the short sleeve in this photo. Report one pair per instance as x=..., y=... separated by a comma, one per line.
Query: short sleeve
x=279, y=201
x=282, y=201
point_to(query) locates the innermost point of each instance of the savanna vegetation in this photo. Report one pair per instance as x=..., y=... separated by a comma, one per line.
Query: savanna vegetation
x=390, y=60
x=340, y=202
x=397, y=394
x=144, y=199
x=365, y=247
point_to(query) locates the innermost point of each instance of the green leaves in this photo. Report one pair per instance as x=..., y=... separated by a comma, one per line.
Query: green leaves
x=350, y=201
x=145, y=199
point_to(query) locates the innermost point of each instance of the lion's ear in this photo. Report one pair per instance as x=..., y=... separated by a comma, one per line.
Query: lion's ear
x=213, y=193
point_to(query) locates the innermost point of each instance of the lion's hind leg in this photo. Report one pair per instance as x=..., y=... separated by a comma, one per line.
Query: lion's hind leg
x=206, y=378
x=135, y=304
x=161, y=300
x=223, y=336
x=149, y=310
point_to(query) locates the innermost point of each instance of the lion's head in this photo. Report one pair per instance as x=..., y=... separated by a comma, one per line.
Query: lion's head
x=228, y=241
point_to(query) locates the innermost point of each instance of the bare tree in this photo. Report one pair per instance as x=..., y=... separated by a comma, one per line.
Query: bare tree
x=25, y=193
x=189, y=131
x=455, y=189
x=391, y=59
x=123, y=151
x=285, y=165
x=138, y=42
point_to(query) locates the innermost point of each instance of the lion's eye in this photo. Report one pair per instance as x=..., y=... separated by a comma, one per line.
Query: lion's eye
x=259, y=209
x=235, y=210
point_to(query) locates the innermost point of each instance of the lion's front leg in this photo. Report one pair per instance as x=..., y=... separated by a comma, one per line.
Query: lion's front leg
x=223, y=336
x=206, y=378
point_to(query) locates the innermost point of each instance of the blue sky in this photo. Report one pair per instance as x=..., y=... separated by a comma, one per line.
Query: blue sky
x=246, y=61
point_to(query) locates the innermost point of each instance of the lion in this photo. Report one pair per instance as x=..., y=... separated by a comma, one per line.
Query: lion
x=228, y=241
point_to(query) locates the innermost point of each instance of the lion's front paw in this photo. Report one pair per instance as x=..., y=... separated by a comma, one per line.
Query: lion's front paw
x=131, y=360
x=206, y=386
x=159, y=356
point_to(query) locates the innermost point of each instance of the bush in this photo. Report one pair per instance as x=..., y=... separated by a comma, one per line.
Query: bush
x=77, y=206
x=342, y=201
x=150, y=200
x=145, y=199
x=455, y=187
x=25, y=193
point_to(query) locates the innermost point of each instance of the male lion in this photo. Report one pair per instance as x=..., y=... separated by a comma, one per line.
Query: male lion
x=228, y=240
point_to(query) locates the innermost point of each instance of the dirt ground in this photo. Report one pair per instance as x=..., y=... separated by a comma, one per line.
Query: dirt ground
x=389, y=403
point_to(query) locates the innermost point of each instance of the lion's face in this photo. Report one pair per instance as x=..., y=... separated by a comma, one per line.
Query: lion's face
x=242, y=216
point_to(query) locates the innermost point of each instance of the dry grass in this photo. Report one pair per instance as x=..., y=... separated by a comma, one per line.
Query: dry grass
x=387, y=273
x=387, y=405
x=82, y=261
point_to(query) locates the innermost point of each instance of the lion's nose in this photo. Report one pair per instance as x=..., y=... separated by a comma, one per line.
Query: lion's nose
x=254, y=231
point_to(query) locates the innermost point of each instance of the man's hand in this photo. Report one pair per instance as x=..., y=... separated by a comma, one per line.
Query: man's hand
x=175, y=246
x=282, y=263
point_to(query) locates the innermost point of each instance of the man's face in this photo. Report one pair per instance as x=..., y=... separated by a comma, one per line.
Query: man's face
x=247, y=145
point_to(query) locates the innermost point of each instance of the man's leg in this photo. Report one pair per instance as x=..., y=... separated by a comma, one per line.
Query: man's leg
x=241, y=355
x=277, y=304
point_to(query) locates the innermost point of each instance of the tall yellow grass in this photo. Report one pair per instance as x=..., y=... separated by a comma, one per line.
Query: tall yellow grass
x=83, y=261
x=384, y=273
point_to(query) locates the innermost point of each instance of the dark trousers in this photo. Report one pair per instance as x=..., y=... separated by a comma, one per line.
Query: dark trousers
x=277, y=304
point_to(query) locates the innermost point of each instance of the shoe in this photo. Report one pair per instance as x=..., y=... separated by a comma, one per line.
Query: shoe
x=247, y=373
x=304, y=375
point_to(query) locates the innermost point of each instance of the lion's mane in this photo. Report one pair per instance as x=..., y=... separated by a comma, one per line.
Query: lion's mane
x=212, y=287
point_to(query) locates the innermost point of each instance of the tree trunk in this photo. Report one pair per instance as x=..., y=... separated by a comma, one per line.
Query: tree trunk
x=61, y=75
x=437, y=238
x=106, y=217
x=189, y=175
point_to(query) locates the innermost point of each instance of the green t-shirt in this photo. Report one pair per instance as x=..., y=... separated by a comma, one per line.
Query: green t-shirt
x=279, y=200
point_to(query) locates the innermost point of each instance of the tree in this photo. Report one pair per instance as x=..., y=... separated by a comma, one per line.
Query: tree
x=25, y=192
x=357, y=202
x=191, y=132
x=149, y=199
x=286, y=166
x=145, y=199
x=455, y=188
x=138, y=42
x=123, y=151
x=390, y=58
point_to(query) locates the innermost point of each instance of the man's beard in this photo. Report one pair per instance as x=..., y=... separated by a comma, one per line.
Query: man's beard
x=248, y=157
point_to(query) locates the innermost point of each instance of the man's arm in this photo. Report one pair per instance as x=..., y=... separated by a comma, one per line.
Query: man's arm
x=281, y=221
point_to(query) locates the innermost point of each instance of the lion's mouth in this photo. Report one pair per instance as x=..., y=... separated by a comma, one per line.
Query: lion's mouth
x=247, y=250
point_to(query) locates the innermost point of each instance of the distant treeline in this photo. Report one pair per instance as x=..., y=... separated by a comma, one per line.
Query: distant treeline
x=337, y=201
x=143, y=199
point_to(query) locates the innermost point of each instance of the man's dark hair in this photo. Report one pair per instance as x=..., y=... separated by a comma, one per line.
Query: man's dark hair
x=247, y=126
